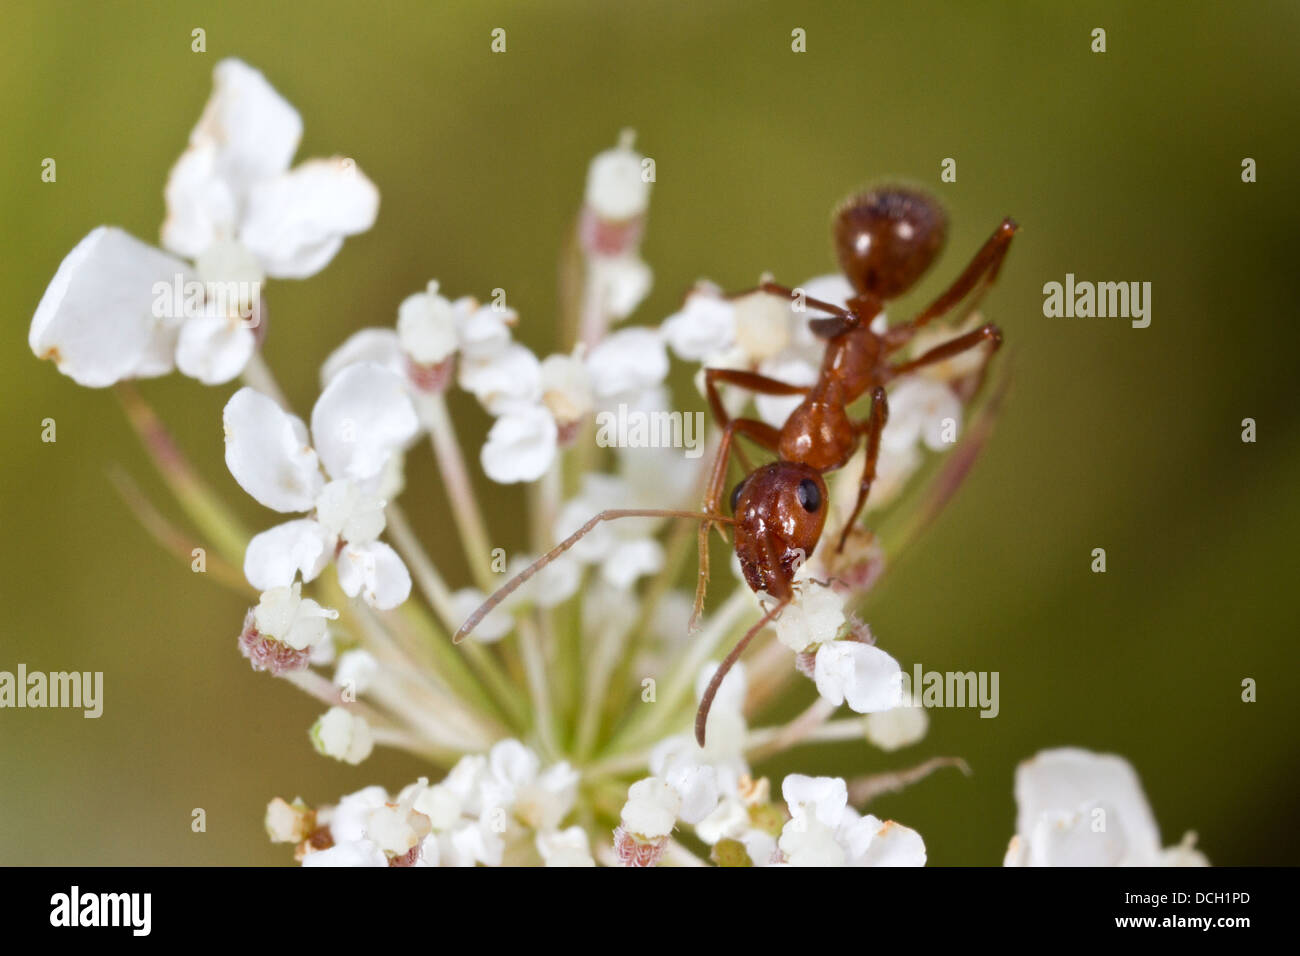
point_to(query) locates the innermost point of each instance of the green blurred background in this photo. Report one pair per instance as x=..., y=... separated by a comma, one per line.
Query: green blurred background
x=1120, y=166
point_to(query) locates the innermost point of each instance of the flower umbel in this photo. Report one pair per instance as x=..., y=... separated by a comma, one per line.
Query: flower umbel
x=561, y=735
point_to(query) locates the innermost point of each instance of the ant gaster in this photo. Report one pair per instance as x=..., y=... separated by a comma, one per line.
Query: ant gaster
x=885, y=241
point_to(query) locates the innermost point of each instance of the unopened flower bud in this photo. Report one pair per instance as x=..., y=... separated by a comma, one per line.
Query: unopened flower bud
x=342, y=735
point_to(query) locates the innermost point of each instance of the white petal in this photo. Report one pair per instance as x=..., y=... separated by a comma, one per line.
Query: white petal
x=816, y=617
x=521, y=445
x=512, y=764
x=247, y=133
x=426, y=326
x=104, y=315
x=631, y=560
x=705, y=326
x=623, y=282
x=651, y=808
x=824, y=798
x=1093, y=836
x=510, y=376
x=898, y=727
x=202, y=207
x=276, y=555
x=296, y=222
x=361, y=420
x=257, y=129
x=380, y=346
x=482, y=331
x=268, y=453
x=763, y=324
x=629, y=360
x=375, y=572
x=775, y=409
x=359, y=853
x=358, y=668
x=697, y=785
x=616, y=189
x=348, y=821
x=891, y=844
x=864, y=675
x=1062, y=780
x=569, y=848
x=214, y=348
x=343, y=735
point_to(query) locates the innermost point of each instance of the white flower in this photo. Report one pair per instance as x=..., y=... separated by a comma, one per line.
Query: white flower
x=427, y=326
x=355, y=853
x=861, y=674
x=897, y=727
x=356, y=668
x=626, y=363
x=521, y=445
x=340, y=734
x=921, y=409
x=566, y=388
x=824, y=830
x=361, y=420
x=235, y=211
x=284, y=615
x=651, y=808
x=815, y=616
x=616, y=188
x=540, y=799
x=234, y=182
x=1078, y=808
x=569, y=848
x=620, y=283
x=704, y=327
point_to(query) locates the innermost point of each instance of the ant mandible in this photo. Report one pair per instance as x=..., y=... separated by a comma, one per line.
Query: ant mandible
x=885, y=240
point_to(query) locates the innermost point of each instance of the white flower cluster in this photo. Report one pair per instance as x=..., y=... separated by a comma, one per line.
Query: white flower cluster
x=501, y=808
x=236, y=213
x=362, y=420
x=711, y=790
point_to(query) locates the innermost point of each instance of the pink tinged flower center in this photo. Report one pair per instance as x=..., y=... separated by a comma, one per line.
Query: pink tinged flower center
x=266, y=653
x=633, y=850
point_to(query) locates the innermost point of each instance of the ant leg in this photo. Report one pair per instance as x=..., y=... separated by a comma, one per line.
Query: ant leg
x=985, y=333
x=981, y=273
x=841, y=320
x=750, y=380
x=761, y=433
x=794, y=295
x=873, y=426
x=611, y=514
x=706, y=701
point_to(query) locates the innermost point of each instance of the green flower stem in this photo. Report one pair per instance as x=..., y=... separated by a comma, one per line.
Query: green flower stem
x=460, y=490
x=210, y=515
x=530, y=645
x=172, y=539
x=650, y=721
x=435, y=591
x=601, y=660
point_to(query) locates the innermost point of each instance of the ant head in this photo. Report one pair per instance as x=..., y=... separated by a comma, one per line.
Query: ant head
x=780, y=510
x=886, y=238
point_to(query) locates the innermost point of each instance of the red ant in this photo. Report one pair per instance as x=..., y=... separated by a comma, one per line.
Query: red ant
x=885, y=240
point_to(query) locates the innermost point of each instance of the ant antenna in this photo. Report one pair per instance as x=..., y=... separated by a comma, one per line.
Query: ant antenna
x=514, y=583
x=706, y=701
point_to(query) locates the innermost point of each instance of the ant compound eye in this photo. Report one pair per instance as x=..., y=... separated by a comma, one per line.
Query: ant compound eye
x=735, y=493
x=810, y=496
